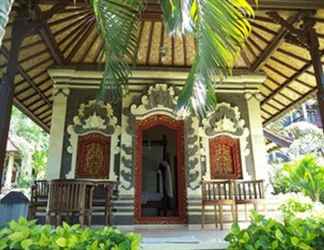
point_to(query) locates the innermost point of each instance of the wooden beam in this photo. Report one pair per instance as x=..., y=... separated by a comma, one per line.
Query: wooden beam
x=292, y=105
x=48, y=38
x=30, y=114
x=291, y=79
x=26, y=76
x=275, y=43
x=289, y=4
x=314, y=51
x=263, y=4
x=7, y=86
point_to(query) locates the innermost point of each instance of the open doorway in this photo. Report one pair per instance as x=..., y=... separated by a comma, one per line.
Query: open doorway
x=160, y=175
x=159, y=178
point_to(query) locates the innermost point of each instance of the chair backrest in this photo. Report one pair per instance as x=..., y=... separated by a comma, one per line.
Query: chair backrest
x=70, y=195
x=217, y=190
x=40, y=190
x=249, y=190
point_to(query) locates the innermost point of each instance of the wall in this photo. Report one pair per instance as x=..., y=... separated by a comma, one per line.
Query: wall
x=162, y=100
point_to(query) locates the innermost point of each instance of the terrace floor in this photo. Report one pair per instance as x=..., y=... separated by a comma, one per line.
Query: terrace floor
x=179, y=237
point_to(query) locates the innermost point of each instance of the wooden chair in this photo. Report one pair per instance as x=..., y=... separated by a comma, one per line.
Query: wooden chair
x=39, y=197
x=103, y=195
x=69, y=197
x=217, y=193
x=248, y=192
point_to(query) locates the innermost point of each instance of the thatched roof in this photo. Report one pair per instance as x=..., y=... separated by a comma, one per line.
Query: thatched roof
x=70, y=37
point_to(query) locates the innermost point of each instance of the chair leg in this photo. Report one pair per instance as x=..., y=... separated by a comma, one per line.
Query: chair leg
x=216, y=217
x=48, y=218
x=89, y=219
x=81, y=219
x=221, y=216
x=58, y=220
x=265, y=209
x=255, y=206
x=246, y=212
x=236, y=213
x=233, y=213
x=203, y=216
x=31, y=213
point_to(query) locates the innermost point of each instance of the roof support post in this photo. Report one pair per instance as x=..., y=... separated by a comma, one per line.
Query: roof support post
x=20, y=28
x=314, y=51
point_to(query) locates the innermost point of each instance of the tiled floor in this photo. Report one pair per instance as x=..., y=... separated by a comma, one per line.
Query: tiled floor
x=181, y=238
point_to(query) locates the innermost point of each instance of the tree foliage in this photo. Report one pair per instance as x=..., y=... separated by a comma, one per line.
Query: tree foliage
x=305, y=176
x=32, y=142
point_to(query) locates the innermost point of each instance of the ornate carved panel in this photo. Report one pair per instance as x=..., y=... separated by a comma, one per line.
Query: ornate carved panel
x=225, y=158
x=178, y=126
x=93, y=117
x=93, y=156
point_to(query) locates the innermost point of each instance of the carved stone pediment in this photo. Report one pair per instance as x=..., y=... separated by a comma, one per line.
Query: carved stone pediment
x=159, y=97
x=93, y=116
x=224, y=119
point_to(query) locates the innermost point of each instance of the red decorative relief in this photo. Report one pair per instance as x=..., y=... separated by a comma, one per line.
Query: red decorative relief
x=93, y=156
x=178, y=126
x=225, y=158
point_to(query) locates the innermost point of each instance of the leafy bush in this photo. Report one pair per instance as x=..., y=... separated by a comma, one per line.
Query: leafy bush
x=305, y=176
x=27, y=235
x=301, y=228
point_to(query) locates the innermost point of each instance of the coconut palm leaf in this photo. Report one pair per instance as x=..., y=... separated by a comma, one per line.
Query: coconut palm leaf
x=220, y=28
x=117, y=22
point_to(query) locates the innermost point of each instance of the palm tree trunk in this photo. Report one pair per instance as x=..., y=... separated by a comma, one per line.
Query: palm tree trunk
x=5, y=7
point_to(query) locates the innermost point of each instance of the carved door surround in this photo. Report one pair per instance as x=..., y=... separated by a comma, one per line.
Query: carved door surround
x=93, y=156
x=178, y=126
x=95, y=120
x=224, y=140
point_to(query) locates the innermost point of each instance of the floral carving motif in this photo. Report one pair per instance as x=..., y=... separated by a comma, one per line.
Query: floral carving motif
x=92, y=117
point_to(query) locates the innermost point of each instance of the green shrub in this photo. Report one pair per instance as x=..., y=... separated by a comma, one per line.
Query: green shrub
x=27, y=235
x=305, y=176
x=264, y=234
x=302, y=227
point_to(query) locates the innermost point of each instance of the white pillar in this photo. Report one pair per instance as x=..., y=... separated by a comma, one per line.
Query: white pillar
x=258, y=148
x=10, y=166
x=57, y=134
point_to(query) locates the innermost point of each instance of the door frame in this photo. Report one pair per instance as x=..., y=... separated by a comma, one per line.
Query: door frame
x=178, y=126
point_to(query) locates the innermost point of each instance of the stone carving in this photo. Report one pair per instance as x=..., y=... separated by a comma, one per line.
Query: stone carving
x=159, y=97
x=93, y=117
x=224, y=120
x=192, y=153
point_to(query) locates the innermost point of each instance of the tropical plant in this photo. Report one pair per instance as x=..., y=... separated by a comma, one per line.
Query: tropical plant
x=220, y=29
x=305, y=176
x=301, y=228
x=24, y=235
x=32, y=142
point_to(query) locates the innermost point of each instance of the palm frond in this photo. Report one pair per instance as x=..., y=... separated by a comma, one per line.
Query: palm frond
x=117, y=22
x=220, y=28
